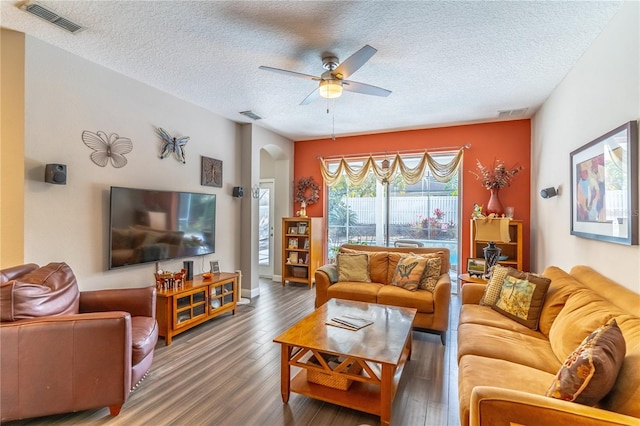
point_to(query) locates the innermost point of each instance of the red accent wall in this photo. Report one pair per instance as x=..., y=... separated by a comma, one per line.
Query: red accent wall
x=509, y=141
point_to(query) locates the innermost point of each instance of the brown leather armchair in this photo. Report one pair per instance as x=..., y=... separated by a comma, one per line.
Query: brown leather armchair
x=62, y=350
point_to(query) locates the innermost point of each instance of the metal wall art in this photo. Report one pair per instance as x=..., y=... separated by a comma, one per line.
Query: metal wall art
x=105, y=148
x=172, y=145
x=211, y=172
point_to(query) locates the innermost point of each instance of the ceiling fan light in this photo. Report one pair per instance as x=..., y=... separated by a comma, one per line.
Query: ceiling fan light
x=330, y=89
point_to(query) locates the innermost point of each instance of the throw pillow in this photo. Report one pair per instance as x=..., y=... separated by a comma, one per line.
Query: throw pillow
x=431, y=274
x=408, y=272
x=590, y=372
x=492, y=290
x=353, y=267
x=521, y=297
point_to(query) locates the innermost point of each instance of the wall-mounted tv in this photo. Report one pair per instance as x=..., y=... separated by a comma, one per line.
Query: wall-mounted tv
x=151, y=226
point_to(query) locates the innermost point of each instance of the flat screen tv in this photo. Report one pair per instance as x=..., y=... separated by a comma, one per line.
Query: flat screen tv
x=151, y=226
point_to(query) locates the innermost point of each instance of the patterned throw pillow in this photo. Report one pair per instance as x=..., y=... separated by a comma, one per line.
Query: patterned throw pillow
x=353, y=267
x=492, y=290
x=521, y=297
x=589, y=373
x=408, y=272
x=431, y=274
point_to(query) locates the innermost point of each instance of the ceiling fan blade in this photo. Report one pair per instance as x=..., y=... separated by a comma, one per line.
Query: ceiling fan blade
x=312, y=97
x=290, y=73
x=367, y=89
x=354, y=62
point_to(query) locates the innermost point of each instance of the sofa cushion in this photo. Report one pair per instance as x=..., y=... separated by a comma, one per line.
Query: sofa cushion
x=521, y=297
x=422, y=300
x=583, y=312
x=363, y=292
x=562, y=286
x=590, y=372
x=480, y=371
x=353, y=267
x=49, y=290
x=484, y=315
x=408, y=272
x=526, y=349
x=492, y=290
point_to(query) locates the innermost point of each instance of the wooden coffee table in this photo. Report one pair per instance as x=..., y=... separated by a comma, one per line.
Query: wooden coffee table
x=382, y=349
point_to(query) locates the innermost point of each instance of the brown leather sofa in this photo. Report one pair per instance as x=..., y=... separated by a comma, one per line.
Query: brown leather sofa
x=433, y=308
x=62, y=350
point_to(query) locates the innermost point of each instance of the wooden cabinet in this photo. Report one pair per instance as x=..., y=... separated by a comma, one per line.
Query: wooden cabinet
x=302, y=251
x=179, y=309
x=511, y=249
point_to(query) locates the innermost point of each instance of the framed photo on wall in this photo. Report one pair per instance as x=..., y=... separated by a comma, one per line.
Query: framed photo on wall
x=211, y=172
x=604, y=187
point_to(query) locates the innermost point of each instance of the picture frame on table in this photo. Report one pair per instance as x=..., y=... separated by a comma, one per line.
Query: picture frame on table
x=604, y=187
x=476, y=266
x=214, y=266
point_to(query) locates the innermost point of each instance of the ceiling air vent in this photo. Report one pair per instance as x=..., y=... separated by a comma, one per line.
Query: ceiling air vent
x=252, y=115
x=512, y=113
x=50, y=16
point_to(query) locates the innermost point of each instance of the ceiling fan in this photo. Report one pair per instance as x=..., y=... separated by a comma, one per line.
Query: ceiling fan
x=333, y=80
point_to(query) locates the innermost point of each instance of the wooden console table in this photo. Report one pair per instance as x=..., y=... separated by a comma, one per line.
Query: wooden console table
x=195, y=302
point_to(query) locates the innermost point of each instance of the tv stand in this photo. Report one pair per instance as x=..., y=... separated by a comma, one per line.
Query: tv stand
x=197, y=301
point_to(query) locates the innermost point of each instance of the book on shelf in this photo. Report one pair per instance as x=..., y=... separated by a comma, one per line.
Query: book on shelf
x=349, y=322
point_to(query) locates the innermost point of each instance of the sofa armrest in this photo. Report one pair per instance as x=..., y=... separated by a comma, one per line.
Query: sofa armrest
x=68, y=363
x=498, y=406
x=139, y=302
x=325, y=276
x=471, y=293
x=441, y=302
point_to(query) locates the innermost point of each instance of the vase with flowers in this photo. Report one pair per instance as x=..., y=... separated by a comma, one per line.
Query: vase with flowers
x=494, y=179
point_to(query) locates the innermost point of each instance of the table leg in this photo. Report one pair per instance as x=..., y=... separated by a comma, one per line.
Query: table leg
x=285, y=372
x=385, y=394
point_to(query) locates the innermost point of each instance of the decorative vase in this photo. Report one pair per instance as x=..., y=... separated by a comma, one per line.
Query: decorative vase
x=494, y=205
x=303, y=209
x=491, y=256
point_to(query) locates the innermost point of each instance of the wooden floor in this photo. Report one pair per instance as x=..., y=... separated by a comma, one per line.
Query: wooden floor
x=227, y=372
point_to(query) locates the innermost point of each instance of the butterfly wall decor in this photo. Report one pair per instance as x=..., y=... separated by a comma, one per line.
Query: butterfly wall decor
x=105, y=148
x=173, y=145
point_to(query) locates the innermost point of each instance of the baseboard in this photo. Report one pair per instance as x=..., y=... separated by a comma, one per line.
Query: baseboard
x=250, y=293
x=277, y=278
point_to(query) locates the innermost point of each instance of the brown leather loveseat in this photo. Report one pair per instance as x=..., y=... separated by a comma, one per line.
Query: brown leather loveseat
x=62, y=350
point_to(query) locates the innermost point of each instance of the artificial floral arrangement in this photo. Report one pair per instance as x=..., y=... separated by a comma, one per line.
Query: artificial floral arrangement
x=498, y=176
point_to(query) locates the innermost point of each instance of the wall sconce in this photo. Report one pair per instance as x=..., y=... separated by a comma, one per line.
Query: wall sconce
x=255, y=191
x=549, y=192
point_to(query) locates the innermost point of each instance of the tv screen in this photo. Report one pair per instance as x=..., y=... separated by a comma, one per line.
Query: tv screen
x=150, y=226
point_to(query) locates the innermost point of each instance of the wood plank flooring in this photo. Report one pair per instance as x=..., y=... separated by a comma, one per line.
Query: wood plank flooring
x=227, y=372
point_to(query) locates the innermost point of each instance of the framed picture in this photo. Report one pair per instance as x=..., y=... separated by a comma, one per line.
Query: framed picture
x=293, y=243
x=604, y=187
x=306, y=244
x=215, y=267
x=211, y=172
x=293, y=230
x=476, y=266
x=293, y=257
x=302, y=228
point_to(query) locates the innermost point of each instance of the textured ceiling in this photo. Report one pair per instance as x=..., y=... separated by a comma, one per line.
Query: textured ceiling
x=445, y=62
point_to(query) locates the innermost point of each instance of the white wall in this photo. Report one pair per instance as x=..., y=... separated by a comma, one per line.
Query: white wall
x=601, y=93
x=66, y=95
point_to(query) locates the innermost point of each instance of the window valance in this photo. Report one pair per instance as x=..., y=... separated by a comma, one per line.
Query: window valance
x=441, y=172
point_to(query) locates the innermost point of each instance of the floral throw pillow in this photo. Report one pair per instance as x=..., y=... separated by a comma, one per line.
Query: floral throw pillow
x=431, y=274
x=408, y=272
x=589, y=373
x=521, y=297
